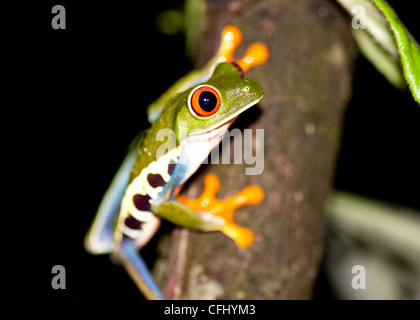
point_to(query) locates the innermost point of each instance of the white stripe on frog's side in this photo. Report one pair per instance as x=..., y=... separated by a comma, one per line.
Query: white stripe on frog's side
x=141, y=215
x=141, y=225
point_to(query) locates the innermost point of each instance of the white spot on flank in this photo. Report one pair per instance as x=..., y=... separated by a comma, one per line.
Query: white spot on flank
x=134, y=234
x=143, y=216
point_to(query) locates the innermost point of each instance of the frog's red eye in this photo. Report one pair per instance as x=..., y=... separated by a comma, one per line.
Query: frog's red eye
x=205, y=101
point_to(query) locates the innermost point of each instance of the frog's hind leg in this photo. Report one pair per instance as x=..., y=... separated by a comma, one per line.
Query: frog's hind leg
x=127, y=253
x=100, y=237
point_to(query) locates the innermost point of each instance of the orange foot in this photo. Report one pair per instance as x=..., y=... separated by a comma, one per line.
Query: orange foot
x=225, y=208
x=256, y=54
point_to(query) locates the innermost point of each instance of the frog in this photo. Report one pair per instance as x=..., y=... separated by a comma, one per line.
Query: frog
x=194, y=115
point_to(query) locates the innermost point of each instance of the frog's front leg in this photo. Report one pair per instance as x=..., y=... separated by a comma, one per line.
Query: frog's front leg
x=207, y=213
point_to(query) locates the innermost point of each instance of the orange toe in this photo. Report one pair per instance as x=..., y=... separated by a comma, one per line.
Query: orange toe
x=225, y=208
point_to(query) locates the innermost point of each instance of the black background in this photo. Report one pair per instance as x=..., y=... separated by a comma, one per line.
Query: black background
x=81, y=98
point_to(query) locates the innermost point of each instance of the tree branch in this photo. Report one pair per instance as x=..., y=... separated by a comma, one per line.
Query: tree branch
x=307, y=83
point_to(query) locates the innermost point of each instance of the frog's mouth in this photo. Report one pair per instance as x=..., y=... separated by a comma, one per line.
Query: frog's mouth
x=214, y=134
x=219, y=127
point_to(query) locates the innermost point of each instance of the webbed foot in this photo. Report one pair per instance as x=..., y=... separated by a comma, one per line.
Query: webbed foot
x=225, y=208
x=256, y=54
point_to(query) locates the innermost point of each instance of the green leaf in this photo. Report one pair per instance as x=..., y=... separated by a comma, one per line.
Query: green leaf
x=377, y=223
x=375, y=40
x=385, y=42
x=408, y=48
x=382, y=61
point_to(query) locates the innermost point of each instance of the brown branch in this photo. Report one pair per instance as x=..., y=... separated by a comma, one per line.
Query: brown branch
x=307, y=83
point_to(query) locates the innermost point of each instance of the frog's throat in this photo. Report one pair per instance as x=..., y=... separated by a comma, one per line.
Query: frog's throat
x=196, y=148
x=201, y=144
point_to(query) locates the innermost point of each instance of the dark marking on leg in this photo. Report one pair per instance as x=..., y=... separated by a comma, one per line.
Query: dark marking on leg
x=133, y=223
x=142, y=202
x=171, y=167
x=155, y=180
x=127, y=238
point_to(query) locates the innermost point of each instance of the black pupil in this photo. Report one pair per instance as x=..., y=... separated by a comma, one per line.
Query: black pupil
x=207, y=101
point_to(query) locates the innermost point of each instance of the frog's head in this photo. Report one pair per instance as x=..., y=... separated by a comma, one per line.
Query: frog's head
x=211, y=107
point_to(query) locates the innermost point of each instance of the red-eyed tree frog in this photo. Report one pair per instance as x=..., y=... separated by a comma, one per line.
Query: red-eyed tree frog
x=198, y=109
